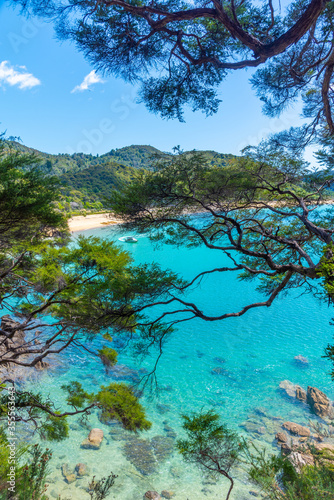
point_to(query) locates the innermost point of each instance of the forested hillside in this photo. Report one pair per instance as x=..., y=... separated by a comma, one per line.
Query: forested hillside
x=86, y=180
x=131, y=156
x=89, y=188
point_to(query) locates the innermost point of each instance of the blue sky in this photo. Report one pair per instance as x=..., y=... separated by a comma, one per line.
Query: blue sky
x=45, y=99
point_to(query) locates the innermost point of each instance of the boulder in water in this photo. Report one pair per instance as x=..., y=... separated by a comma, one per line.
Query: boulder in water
x=300, y=393
x=167, y=494
x=296, y=429
x=94, y=440
x=288, y=388
x=301, y=361
x=70, y=478
x=319, y=402
x=281, y=438
x=82, y=470
x=152, y=495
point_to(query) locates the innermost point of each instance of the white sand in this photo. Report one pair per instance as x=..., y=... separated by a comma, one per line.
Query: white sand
x=81, y=222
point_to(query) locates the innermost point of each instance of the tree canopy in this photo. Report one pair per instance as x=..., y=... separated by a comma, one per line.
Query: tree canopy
x=263, y=211
x=210, y=445
x=181, y=51
x=57, y=296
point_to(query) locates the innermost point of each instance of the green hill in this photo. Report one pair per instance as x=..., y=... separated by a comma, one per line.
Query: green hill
x=131, y=156
x=134, y=156
x=88, y=188
x=87, y=180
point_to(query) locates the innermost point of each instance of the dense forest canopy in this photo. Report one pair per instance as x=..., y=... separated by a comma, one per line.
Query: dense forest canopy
x=86, y=180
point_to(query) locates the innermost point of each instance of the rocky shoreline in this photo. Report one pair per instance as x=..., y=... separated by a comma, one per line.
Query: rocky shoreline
x=13, y=339
x=145, y=456
x=293, y=439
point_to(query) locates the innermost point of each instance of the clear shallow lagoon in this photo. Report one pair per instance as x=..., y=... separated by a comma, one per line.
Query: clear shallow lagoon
x=258, y=350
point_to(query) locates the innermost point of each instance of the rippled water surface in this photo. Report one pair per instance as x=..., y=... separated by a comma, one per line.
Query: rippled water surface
x=254, y=353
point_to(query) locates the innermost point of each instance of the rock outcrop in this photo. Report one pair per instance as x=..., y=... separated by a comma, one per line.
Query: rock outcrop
x=300, y=393
x=324, y=446
x=319, y=402
x=281, y=438
x=14, y=337
x=41, y=365
x=300, y=460
x=296, y=429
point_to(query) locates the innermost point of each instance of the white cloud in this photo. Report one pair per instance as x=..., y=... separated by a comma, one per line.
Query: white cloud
x=20, y=76
x=88, y=81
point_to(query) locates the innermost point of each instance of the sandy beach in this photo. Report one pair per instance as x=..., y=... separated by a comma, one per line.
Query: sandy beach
x=92, y=221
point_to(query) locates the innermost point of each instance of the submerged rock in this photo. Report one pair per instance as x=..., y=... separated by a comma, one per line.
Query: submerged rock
x=218, y=370
x=140, y=453
x=167, y=388
x=253, y=427
x=94, y=440
x=152, y=495
x=70, y=478
x=200, y=354
x=219, y=360
x=262, y=412
x=117, y=432
x=167, y=494
x=67, y=470
x=216, y=402
x=163, y=447
x=288, y=388
x=162, y=409
x=123, y=372
x=301, y=361
x=82, y=470
x=145, y=455
x=296, y=429
x=175, y=472
x=170, y=431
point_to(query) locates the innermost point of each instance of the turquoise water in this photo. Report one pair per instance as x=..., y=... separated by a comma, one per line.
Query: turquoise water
x=258, y=350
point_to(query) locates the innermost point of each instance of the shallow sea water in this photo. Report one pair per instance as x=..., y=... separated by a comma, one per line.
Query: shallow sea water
x=258, y=350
